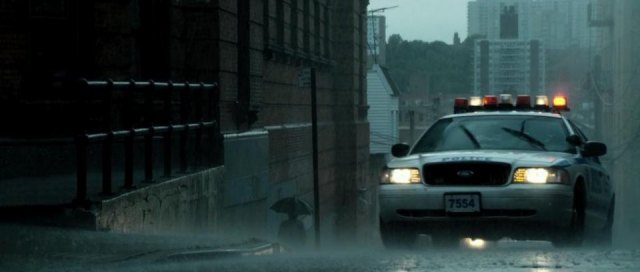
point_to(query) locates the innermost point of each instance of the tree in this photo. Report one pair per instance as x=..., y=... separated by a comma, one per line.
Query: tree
x=445, y=68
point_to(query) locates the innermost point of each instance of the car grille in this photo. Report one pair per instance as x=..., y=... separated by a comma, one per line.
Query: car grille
x=477, y=173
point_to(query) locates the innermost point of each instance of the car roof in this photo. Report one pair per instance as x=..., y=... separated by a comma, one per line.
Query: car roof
x=505, y=113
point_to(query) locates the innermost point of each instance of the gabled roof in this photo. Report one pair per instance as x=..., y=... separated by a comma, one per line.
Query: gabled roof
x=389, y=83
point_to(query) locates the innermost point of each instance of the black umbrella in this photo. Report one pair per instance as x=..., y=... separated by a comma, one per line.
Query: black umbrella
x=292, y=206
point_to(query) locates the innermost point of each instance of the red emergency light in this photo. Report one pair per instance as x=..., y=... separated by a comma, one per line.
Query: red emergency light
x=523, y=102
x=490, y=102
x=460, y=105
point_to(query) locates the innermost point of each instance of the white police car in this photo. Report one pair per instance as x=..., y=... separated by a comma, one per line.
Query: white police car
x=495, y=169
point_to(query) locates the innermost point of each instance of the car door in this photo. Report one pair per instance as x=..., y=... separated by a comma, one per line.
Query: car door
x=599, y=188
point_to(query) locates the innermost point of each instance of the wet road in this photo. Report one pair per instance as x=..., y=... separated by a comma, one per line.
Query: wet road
x=504, y=256
x=27, y=248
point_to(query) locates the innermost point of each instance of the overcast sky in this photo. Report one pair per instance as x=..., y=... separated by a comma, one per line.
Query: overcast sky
x=427, y=20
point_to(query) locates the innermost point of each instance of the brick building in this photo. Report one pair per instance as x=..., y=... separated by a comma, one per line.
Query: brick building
x=254, y=50
x=614, y=88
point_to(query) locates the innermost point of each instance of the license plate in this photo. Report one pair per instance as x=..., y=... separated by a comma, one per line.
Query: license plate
x=462, y=203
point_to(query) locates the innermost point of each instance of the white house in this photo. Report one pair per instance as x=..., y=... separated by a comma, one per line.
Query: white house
x=382, y=95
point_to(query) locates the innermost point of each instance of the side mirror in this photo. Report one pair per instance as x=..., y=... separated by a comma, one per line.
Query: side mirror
x=400, y=150
x=574, y=140
x=594, y=149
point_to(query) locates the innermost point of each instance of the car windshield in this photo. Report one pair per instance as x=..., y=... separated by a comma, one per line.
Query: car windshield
x=496, y=132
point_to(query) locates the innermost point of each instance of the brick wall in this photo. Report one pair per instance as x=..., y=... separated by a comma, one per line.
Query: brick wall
x=255, y=51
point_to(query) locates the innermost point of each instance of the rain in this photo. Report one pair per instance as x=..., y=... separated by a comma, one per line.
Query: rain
x=319, y=135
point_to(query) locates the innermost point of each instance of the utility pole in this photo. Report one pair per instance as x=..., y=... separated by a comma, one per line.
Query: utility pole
x=307, y=78
x=314, y=140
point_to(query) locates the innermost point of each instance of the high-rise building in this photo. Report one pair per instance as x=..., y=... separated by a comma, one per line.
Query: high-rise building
x=559, y=24
x=509, y=66
x=508, y=63
x=376, y=40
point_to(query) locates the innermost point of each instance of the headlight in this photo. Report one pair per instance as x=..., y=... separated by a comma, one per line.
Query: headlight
x=540, y=175
x=401, y=176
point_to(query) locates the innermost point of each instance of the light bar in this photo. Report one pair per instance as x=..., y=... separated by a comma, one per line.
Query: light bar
x=505, y=102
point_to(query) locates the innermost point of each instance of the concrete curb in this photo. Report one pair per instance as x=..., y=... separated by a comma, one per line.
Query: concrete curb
x=209, y=254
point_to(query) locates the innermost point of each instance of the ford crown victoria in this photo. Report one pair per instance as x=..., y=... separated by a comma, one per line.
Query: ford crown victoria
x=494, y=169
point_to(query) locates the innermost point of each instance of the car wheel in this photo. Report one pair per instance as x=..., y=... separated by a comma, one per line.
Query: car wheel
x=604, y=237
x=574, y=234
x=396, y=235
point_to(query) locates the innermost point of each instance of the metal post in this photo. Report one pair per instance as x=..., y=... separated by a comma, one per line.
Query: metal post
x=183, y=149
x=184, y=117
x=128, y=159
x=107, y=101
x=198, y=146
x=128, y=101
x=148, y=138
x=199, y=102
x=106, y=164
x=216, y=137
x=148, y=155
x=167, y=136
x=107, y=146
x=167, y=103
x=167, y=152
x=314, y=140
x=81, y=164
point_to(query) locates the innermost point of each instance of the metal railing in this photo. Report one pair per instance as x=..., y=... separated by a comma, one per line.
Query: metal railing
x=195, y=120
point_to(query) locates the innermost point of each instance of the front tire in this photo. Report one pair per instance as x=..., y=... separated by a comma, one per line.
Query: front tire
x=573, y=236
x=397, y=235
x=604, y=237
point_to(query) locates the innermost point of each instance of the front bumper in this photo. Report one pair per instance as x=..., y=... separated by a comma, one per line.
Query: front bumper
x=510, y=206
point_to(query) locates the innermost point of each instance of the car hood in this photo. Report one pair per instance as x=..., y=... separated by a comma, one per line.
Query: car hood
x=515, y=158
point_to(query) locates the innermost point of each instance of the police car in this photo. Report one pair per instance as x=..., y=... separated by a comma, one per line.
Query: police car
x=497, y=169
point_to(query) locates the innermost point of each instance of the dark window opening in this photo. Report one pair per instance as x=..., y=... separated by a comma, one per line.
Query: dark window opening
x=155, y=22
x=306, y=26
x=327, y=37
x=294, y=24
x=279, y=22
x=316, y=27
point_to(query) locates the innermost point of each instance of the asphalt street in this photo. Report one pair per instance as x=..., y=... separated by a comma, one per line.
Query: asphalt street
x=513, y=256
x=24, y=248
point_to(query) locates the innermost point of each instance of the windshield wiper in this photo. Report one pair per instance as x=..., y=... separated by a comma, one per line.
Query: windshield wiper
x=526, y=137
x=471, y=136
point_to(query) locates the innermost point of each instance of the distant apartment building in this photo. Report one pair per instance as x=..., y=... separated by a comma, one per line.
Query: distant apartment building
x=508, y=61
x=508, y=66
x=558, y=24
x=376, y=40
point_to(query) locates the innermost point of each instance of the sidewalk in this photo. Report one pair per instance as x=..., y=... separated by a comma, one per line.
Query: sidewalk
x=33, y=248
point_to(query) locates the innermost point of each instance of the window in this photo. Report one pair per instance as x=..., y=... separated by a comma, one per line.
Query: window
x=327, y=37
x=497, y=133
x=306, y=26
x=294, y=24
x=279, y=22
x=244, y=52
x=316, y=27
